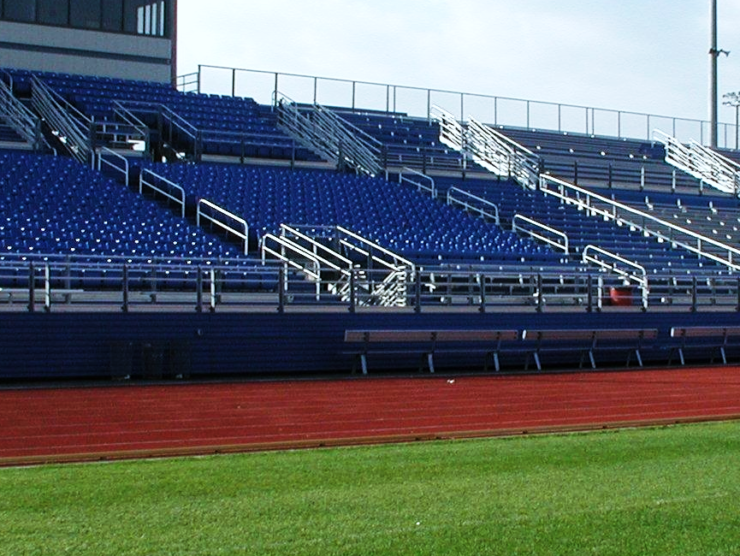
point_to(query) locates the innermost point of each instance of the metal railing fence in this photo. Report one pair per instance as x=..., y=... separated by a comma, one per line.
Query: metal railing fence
x=418, y=101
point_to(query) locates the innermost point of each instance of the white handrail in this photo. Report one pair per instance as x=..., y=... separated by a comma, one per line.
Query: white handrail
x=123, y=170
x=431, y=188
x=286, y=229
x=515, y=228
x=286, y=244
x=179, y=200
x=641, y=279
x=620, y=212
x=397, y=258
x=501, y=155
x=453, y=201
x=243, y=235
x=702, y=163
x=451, y=132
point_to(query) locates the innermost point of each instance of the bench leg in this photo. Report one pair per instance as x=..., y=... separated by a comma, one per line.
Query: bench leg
x=724, y=355
x=638, y=355
x=681, y=357
x=430, y=362
x=537, y=360
x=363, y=362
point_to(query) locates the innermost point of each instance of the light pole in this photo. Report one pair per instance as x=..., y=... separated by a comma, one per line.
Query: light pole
x=714, y=53
x=733, y=99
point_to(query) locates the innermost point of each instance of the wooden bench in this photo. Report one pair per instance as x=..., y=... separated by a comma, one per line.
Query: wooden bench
x=426, y=343
x=587, y=341
x=712, y=338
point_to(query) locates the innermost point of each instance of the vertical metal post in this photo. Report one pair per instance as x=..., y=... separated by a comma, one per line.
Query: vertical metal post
x=199, y=290
x=642, y=178
x=560, y=117
x=462, y=107
x=124, y=306
x=528, y=126
x=495, y=110
x=611, y=170
x=199, y=77
x=281, y=290
x=31, y=288
x=619, y=124
x=417, y=292
x=590, y=293
x=354, y=93
x=47, y=288
x=575, y=172
x=713, y=95
x=275, y=91
x=429, y=105
x=214, y=289
x=539, y=293
x=315, y=90
x=694, y=294
x=233, y=82
x=352, y=307
x=647, y=134
x=482, y=286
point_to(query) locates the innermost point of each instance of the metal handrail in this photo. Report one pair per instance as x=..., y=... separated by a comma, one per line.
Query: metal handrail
x=518, y=228
x=453, y=201
x=501, y=155
x=641, y=278
x=180, y=200
x=313, y=272
x=329, y=135
x=451, y=132
x=397, y=259
x=124, y=169
x=243, y=235
x=73, y=126
x=420, y=186
x=17, y=116
x=616, y=211
x=286, y=230
x=700, y=162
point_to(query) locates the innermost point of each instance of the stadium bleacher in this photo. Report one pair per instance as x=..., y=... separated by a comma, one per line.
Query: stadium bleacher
x=234, y=153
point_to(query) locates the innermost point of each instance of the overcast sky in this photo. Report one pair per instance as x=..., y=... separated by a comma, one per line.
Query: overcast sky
x=634, y=55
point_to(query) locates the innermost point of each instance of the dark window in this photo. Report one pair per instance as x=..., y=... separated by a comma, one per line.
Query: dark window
x=53, y=12
x=85, y=14
x=20, y=10
x=113, y=15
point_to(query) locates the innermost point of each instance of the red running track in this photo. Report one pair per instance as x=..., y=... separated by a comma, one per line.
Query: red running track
x=81, y=424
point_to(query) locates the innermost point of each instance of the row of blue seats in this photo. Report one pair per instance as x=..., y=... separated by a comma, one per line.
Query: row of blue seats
x=397, y=217
x=54, y=204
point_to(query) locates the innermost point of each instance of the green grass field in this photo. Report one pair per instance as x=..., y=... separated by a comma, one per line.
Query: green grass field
x=649, y=491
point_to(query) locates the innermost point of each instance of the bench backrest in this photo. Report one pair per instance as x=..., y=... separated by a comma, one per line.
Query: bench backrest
x=578, y=334
x=704, y=331
x=409, y=336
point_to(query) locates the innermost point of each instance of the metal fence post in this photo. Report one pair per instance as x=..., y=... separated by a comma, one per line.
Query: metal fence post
x=124, y=306
x=482, y=286
x=694, y=295
x=352, y=307
x=281, y=290
x=417, y=292
x=539, y=293
x=199, y=290
x=47, y=288
x=31, y=288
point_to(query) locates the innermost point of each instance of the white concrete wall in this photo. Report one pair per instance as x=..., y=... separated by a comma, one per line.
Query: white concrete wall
x=45, y=48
